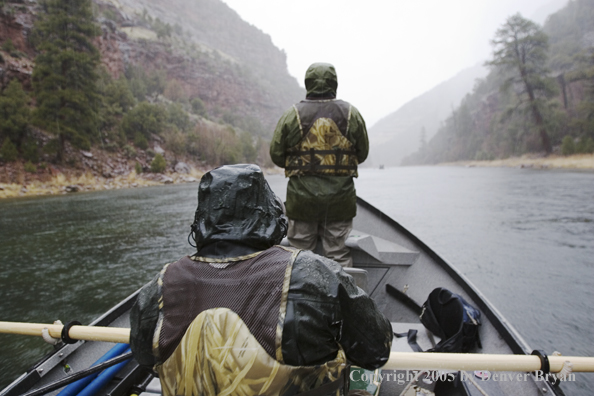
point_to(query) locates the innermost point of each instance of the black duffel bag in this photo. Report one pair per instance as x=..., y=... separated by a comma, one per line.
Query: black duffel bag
x=451, y=318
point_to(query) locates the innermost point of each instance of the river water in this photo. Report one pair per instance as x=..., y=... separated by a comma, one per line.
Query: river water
x=524, y=237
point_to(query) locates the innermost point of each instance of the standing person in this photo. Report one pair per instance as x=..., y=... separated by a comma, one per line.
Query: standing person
x=319, y=142
x=246, y=316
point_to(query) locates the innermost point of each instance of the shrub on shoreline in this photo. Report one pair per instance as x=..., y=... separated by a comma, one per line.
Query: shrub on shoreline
x=158, y=164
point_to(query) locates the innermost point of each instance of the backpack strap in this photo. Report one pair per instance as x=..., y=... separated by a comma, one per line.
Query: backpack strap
x=411, y=337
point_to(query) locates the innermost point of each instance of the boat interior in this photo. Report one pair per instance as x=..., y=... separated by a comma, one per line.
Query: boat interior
x=398, y=271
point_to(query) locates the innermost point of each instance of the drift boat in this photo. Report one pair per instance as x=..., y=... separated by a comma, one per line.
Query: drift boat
x=395, y=268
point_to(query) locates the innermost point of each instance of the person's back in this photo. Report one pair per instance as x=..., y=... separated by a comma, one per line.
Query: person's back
x=319, y=142
x=247, y=316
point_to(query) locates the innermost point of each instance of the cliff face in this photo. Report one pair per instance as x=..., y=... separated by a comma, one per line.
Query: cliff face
x=229, y=64
x=208, y=49
x=16, y=24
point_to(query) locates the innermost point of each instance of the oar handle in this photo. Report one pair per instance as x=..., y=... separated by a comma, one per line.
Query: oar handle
x=397, y=360
x=89, y=333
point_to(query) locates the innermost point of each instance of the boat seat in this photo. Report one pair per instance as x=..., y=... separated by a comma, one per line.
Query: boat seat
x=369, y=250
x=381, y=250
x=425, y=338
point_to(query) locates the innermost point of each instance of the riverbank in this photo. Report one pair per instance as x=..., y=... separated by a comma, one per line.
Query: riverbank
x=578, y=161
x=98, y=169
x=56, y=181
x=64, y=184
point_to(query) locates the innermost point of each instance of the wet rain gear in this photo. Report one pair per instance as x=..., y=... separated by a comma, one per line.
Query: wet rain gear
x=319, y=316
x=336, y=132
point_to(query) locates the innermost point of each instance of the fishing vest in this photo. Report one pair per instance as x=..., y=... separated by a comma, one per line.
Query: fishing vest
x=323, y=148
x=220, y=328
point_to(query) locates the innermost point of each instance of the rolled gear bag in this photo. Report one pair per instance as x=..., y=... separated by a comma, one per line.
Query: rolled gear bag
x=455, y=321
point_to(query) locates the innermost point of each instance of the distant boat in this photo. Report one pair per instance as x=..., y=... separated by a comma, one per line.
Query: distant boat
x=382, y=166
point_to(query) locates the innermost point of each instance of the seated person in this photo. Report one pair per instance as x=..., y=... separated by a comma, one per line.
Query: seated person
x=246, y=316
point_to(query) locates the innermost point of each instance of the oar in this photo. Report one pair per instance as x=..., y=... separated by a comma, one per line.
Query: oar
x=483, y=361
x=397, y=360
x=89, y=333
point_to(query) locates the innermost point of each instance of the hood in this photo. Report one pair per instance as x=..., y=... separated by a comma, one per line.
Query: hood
x=236, y=204
x=321, y=80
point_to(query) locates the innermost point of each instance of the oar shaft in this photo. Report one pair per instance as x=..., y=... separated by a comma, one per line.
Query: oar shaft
x=397, y=360
x=480, y=361
x=89, y=333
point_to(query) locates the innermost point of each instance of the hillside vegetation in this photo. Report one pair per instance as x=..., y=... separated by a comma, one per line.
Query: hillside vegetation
x=538, y=97
x=120, y=86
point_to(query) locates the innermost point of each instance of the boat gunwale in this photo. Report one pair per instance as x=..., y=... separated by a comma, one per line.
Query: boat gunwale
x=505, y=329
x=509, y=334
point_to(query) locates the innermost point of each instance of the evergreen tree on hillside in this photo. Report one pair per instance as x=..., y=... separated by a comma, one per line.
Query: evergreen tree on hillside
x=14, y=113
x=520, y=50
x=117, y=99
x=65, y=75
x=586, y=108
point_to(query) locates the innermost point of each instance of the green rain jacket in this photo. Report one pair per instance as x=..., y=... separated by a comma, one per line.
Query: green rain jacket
x=314, y=197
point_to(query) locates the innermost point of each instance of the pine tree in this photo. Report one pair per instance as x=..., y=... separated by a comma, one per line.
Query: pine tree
x=65, y=75
x=117, y=99
x=520, y=49
x=586, y=107
x=8, y=151
x=14, y=113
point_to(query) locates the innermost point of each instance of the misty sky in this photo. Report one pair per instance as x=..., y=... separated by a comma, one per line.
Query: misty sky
x=386, y=52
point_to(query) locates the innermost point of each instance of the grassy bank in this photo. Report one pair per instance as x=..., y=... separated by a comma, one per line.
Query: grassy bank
x=64, y=184
x=578, y=161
